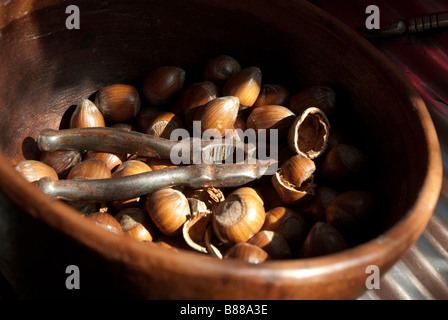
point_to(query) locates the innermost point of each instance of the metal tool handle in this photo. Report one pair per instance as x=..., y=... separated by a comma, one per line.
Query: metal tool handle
x=129, y=187
x=105, y=139
x=416, y=24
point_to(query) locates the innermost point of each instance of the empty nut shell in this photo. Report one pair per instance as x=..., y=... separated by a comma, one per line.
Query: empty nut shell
x=168, y=209
x=87, y=114
x=33, y=170
x=294, y=179
x=219, y=69
x=118, y=102
x=245, y=85
x=194, y=230
x=308, y=135
x=247, y=252
x=238, y=218
x=162, y=85
x=321, y=97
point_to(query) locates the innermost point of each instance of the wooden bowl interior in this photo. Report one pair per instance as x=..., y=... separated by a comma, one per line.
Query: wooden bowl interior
x=47, y=69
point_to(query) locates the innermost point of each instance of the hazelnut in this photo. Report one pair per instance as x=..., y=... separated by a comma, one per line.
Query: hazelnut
x=322, y=97
x=118, y=102
x=245, y=85
x=33, y=170
x=247, y=252
x=323, y=239
x=219, y=69
x=87, y=115
x=90, y=169
x=162, y=84
x=238, y=218
x=168, y=209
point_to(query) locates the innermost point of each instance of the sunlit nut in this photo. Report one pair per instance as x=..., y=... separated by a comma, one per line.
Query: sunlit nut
x=134, y=223
x=288, y=223
x=238, y=218
x=33, y=170
x=245, y=85
x=168, y=209
x=270, y=117
x=118, y=102
x=105, y=221
x=247, y=252
x=87, y=114
x=90, y=169
x=294, y=180
x=163, y=125
x=275, y=245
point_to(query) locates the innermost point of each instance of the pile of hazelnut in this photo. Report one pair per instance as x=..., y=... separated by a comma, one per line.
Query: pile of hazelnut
x=311, y=206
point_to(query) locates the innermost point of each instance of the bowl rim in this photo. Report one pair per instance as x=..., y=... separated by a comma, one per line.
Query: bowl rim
x=66, y=219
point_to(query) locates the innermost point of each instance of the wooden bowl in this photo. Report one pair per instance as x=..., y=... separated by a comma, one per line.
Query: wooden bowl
x=47, y=68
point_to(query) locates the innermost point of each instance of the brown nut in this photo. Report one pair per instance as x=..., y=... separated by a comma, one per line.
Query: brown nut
x=128, y=168
x=134, y=223
x=245, y=85
x=90, y=169
x=219, y=69
x=323, y=239
x=315, y=209
x=196, y=95
x=350, y=211
x=247, y=252
x=271, y=117
x=162, y=84
x=194, y=230
x=168, y=209
x=344, y=164
x=308, y=135
x=238, y=218
x=61, y=160
x=33, y=170
x=322, y=97
x=163, y=124
x=275, y=245
x=219, y=114
x=158, y=163
x=118, y=102
x=112, y=159
x=294, y=179
x=87, y=114
x=272, y=94
x=288, y=223
x=106, y=221
x=145, y=117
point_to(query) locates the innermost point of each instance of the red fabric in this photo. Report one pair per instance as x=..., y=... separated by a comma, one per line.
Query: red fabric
x=422, y=57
